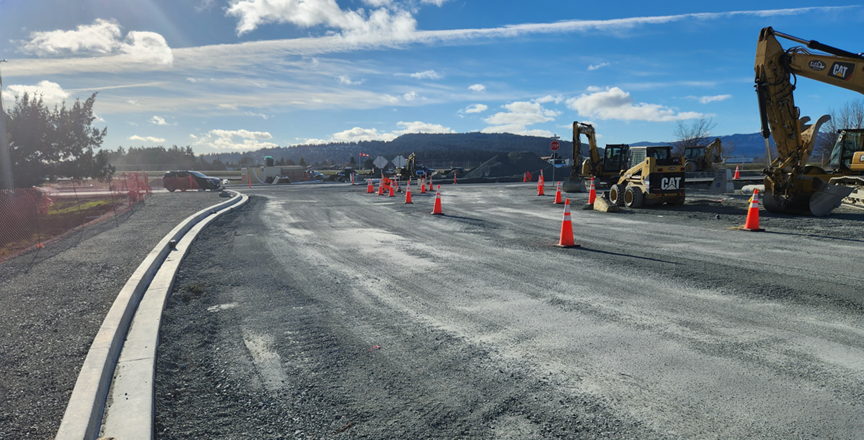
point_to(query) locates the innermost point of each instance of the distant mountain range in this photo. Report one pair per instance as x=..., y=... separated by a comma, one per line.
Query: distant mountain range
x=459, y=148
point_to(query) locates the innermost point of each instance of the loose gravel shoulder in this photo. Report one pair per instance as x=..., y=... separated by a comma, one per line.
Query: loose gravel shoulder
x=54, y=300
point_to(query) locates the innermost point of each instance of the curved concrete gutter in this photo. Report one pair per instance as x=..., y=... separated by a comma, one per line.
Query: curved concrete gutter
x=83, y=415
x=129, y=413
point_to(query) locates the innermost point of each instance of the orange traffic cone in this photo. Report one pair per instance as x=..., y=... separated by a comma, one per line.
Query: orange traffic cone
x=525, y=177
x=437, y=209
x=423, y=187
x=737, y=176
x=566, y=240
x=369, y=188
x=381, y=187
x=454, y=177
x=352, y=179
x=408, y=194
x=540, y=187
x=752, y=223
x=558, y=200
x=592, y=193
x=392, y=189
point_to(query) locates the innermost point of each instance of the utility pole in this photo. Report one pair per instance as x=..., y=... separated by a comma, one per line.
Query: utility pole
x=6, y=181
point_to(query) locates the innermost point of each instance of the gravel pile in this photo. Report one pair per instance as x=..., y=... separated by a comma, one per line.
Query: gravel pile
x=54, y=301
x=511, y=165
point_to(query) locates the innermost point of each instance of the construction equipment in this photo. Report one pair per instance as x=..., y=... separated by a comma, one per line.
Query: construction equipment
x=654, y=177
x=847, y=159
x=791, y=186
x=703, y=158
x=409, y=170
x=605, y=170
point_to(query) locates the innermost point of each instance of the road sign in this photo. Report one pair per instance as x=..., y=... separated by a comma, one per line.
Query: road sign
x=554, y=145
x=380, y=162
x=399, y=161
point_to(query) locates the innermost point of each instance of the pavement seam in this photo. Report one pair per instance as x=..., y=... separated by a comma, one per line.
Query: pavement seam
x=83, y=416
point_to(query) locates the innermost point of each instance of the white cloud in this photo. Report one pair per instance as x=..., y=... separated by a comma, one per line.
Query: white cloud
x=410, y=96
x=146, y=139
x=428, y=74
x=235, y=140
x=614, y=103
x=477, y=87
x=422, y=127
x=518, y=116
x=390, y=99
x=343, y=79
x=51, y=92
x=133, y=101
x=228, y=106
x=597, y=66
x=434, y=2
x=357, y=134
x=476, y=108
x=158, y=121
x=550, y=98
x=103, y=37
x=707, y=99
x=260, y=115
x=378, y=23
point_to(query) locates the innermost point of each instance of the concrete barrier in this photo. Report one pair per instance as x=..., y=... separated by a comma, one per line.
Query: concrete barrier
x=83, y=415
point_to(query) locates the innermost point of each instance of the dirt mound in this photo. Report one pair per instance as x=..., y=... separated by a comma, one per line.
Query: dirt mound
x=510, y=165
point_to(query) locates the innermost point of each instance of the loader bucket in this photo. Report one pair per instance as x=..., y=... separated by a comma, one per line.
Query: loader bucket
x=827, y=197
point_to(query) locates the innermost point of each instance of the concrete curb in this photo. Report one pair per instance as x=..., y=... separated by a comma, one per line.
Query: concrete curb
x=129, y=413
x=83, y=415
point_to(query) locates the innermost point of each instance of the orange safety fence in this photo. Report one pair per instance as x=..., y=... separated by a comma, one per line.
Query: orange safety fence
x=31, y=218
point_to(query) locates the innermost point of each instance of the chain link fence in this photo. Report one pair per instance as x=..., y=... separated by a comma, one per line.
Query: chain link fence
x=31, y=218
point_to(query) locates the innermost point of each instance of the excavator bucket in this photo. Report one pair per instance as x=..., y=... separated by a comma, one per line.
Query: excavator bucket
x=827, y=197
x=574, y=184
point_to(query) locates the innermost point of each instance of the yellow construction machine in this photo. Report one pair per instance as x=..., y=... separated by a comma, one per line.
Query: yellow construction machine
x=605, y=170
x=654, y=177
x=703, y=158
x=792, y=186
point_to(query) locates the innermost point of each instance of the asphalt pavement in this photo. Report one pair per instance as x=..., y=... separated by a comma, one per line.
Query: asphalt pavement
x=325, y=312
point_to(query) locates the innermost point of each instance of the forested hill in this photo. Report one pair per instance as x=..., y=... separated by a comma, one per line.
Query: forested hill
x=474, y=147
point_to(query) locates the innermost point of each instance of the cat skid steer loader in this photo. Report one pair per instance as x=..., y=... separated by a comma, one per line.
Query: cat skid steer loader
x=655, y=177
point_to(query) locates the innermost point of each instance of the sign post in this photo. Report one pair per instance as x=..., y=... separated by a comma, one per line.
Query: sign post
x=554, y=146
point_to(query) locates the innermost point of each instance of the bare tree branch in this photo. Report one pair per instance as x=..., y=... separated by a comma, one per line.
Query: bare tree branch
x=694, y=135
x=851, y=115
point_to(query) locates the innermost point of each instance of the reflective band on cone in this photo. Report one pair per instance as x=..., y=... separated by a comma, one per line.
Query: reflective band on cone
x=592, y=193
x=752, y=223
x=558, y=200
x=566, y=240
x=540, y=187
x=392, y=190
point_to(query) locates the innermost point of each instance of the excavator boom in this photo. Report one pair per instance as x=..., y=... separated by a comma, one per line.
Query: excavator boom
x=790, y=185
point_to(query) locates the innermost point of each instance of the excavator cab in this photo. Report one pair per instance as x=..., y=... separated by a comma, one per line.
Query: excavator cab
x=615, y=158
x=843, y=155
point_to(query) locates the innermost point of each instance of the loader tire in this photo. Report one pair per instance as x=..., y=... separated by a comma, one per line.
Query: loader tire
x=633, y=197
x=690, y=166
x=616, y=194
x=679, y=202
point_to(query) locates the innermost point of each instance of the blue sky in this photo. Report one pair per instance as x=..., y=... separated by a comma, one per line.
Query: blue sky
x=235, y=75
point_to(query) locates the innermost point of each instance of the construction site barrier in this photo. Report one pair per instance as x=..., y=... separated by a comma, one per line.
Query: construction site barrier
x=33, y=218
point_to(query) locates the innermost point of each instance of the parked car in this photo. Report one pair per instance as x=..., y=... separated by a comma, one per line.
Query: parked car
x=422, y=170
x=174, y=180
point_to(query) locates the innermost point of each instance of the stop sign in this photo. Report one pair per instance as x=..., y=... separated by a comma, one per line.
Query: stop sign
x=554, y=145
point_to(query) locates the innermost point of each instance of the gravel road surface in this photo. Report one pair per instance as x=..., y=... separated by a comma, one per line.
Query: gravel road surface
x=324, y=312
x=54, y=300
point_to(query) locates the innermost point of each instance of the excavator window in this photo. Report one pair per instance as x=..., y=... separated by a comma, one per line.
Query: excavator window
x=615, y=155
x=846, y=146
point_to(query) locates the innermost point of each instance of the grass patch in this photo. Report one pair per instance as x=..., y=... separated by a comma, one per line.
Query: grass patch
x=70, y=206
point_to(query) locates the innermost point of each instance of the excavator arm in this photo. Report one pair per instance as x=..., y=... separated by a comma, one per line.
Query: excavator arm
x=577, y=171
x=790, y=185
x=714, y=152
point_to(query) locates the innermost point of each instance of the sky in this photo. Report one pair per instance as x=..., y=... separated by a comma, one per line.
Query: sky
x=238, y=75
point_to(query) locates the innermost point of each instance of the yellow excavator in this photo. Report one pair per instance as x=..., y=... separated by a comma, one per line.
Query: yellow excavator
x=703, y=158
x=605, y=170
x=792, y=186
